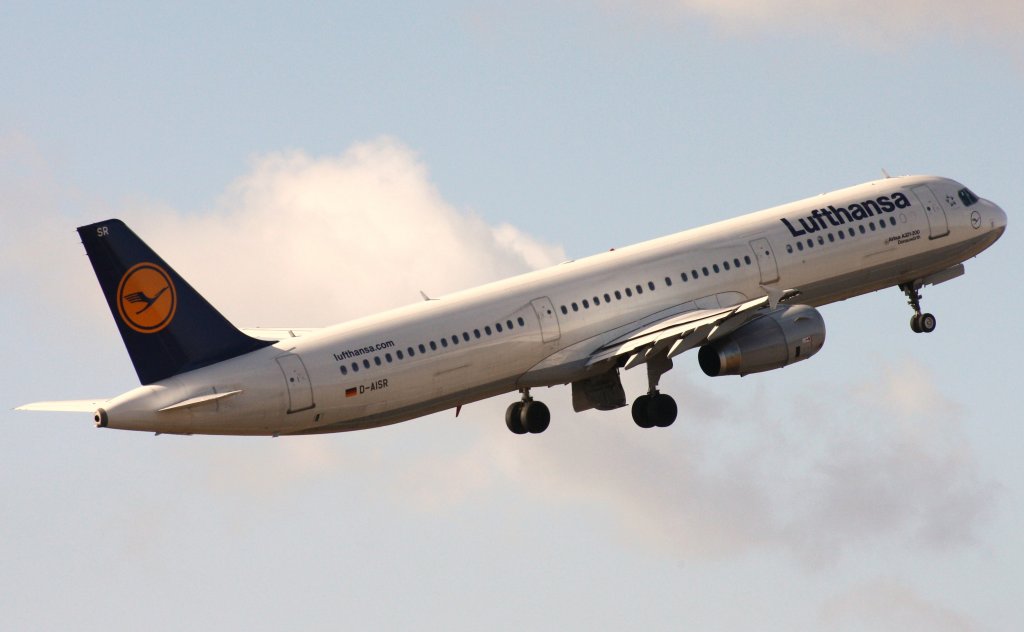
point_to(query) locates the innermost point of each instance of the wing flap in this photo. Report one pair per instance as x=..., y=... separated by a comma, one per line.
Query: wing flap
x=685, y=331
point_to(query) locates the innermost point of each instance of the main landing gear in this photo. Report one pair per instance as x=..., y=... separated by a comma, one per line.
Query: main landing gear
x=528, y=415
x=654, y=408
x=919, y=323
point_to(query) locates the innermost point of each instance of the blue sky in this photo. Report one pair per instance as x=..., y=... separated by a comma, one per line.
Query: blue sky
x=306, y=165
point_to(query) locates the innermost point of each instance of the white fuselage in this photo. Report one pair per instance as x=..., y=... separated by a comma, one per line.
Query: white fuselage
x=442, y=353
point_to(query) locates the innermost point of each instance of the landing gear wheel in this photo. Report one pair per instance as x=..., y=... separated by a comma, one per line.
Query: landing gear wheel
x=927, y=323
x=640, y=414
x=915, y=323
x=534, y=417
x=513, y=416
x=661, y=409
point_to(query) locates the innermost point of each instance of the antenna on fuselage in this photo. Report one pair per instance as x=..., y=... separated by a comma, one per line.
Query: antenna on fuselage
x=885, y=173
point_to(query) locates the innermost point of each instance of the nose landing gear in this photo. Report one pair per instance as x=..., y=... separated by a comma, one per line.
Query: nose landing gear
x=919, y=323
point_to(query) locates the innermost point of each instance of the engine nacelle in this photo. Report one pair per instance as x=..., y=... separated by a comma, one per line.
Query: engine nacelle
x=784, y=336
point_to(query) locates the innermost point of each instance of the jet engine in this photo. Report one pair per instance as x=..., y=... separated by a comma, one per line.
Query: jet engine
x=780, y=337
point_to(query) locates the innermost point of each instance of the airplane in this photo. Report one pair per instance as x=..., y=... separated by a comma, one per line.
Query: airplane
x=743, y=292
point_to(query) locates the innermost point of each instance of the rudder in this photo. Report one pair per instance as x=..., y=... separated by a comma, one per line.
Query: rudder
x=167, y=327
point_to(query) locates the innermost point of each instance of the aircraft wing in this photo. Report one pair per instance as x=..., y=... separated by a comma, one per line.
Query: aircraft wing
x=275, y=334
x=683, y=332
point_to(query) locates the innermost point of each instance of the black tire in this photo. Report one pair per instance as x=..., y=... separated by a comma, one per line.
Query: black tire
x=915, y=323
x=513, y=418
x=641, y=415
x=662, y=410
x=535, y=417
x=926, y=323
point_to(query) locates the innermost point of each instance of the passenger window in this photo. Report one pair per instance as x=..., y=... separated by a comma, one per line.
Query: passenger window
x=355, y=367
x=586, y=305
x=487, y=329
x=810, y=243
x=650, y=284
x=629, y=292
x=607, y=299
x=376, y=360
x=387, y=356
x=455, y=340
x=831, y=237
x=683, y=277
x=423, y=349
x=344, y=370
x=399, y=354
x=789, y=248
x=862, y=231
x=366, y=364
x=597, y=301
x=444, y=342
x=433, y=346
x=668, y=282
x=575, y=307
x=736, y=262
x=508, y=323
x=746, y=259
x=465, y=336
x=618, y=296
x=522, y=323
x=800, y=245
x=694, y=273
x=639, y=289
x=705, y=271
x=725, y=264
x=715, y=268
x=871, y=225
x=497, y=327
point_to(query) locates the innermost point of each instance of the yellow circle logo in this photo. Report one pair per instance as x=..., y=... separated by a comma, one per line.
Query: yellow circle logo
x=146, y=298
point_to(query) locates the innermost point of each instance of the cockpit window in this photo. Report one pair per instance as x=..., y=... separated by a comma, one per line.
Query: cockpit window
x=967, y=197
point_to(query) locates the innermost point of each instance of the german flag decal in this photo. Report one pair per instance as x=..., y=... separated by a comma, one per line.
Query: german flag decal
x=351, y=392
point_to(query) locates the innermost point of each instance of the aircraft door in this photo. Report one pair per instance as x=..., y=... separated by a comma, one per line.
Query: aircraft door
x=300, y=391
x=549, y=330
x=938, y=225
x=765, y=261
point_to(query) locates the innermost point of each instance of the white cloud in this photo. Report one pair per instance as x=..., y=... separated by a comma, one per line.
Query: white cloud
x=313, y=241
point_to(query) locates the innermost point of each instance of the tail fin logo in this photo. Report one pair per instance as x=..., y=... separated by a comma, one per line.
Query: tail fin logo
x=146, y=298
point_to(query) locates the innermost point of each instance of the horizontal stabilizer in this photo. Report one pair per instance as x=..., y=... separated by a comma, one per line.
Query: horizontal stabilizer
x=66, y=406
x=196, y=401
x=275, y=334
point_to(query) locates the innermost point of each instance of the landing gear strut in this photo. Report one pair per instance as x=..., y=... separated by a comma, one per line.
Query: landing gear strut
x=654, y=408
x=527, y=415
x=919, y=323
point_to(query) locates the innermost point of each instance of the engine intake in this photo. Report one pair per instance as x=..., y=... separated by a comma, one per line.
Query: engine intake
x=780, y=337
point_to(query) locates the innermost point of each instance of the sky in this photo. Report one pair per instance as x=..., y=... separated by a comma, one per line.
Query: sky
x=307, y=165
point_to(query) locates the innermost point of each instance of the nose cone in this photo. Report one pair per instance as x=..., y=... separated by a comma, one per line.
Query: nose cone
x=994, y=220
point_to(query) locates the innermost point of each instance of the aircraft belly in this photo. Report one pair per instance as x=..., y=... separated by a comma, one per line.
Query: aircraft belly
x=888, y=274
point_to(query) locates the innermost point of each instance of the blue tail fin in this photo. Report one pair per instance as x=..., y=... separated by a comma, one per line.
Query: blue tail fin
x=166, y=325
